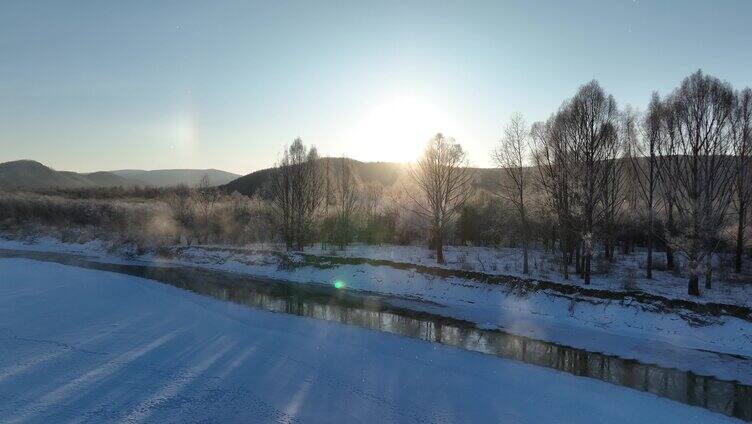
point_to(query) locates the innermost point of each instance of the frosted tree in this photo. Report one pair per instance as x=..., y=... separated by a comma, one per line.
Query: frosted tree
x=346, y=195
x=206, y=197
x=578, y=158
x=297, y=189
x=696, y=168
x=443, y=183
x=742, y=139
x=644, y=166
x=511, y=155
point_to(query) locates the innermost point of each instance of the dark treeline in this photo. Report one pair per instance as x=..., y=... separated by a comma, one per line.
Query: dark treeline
x=591, y=182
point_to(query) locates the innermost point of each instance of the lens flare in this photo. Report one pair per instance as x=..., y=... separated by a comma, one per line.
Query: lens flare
x=339, y=284
x=397, y=128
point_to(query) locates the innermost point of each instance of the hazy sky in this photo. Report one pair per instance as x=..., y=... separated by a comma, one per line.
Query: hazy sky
x=93, y=85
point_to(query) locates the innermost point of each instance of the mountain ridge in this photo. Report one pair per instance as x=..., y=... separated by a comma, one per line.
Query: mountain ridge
x=385, y=173
x=33, y=175
x=175, y=176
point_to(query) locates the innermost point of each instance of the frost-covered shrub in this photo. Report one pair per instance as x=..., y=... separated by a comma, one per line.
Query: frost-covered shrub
x=160, y=217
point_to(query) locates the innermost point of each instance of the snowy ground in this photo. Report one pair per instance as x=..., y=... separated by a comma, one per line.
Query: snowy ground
x=625, y=329
x=88, y=346
x=626, y=273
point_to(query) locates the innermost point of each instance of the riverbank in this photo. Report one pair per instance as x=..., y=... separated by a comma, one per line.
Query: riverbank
x=673, y=335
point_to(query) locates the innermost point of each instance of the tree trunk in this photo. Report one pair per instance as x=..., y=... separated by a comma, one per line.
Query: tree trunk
x=587, y=247
x=694, y=287
x=587, y=268
x=552, y=241
x=739, y=240
x=583, y=259
x=709, y=271
x=564, y=264
x=607, y=246
x=525, y=268
x=669, y=257
x=439, y=249
x=670, y=229
x=649, y=270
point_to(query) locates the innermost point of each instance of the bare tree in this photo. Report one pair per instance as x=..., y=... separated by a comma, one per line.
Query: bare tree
x=695, y=166
x=644, y=166
x=206, y=195
x=182, y=209
x=281, y=192
x=668, y=158
x=511, y=156
x=328, y=185
x=297, y=192
x=613, y=190
x=444, y=185
x=346, y=200
x=742, y=137
x=372, y=193
x=587, y=133
x=550, y=157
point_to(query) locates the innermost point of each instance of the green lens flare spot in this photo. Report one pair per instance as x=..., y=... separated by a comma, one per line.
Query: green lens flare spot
x=339, y=284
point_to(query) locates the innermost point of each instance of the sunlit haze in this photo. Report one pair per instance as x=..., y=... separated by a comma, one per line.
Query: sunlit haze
x=93, y=85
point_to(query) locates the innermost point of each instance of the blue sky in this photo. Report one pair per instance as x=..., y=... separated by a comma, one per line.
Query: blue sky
x=92, y=85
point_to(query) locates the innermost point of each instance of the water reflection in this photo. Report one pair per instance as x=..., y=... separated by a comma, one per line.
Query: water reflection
x=390, y=315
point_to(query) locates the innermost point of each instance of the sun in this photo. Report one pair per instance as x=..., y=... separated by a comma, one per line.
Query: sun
x=397, y=129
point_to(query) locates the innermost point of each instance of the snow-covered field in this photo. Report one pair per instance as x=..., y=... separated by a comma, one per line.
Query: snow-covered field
x=626, y=329
x=89, y=346
x=626, y=273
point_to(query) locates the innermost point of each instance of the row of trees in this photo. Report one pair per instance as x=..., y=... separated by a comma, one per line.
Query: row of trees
x=306, y=190
x=687, y=159
x=684, y=165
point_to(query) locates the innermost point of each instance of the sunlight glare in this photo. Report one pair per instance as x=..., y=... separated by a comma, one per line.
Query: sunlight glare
x=397, y=129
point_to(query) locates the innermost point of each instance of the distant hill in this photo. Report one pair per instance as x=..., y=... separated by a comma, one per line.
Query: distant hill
x=171, y=177
x=30, y=174
x=386, y=173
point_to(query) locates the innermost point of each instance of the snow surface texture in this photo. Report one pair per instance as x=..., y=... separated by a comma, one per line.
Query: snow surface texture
x=624, y=330
x=91, y=346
